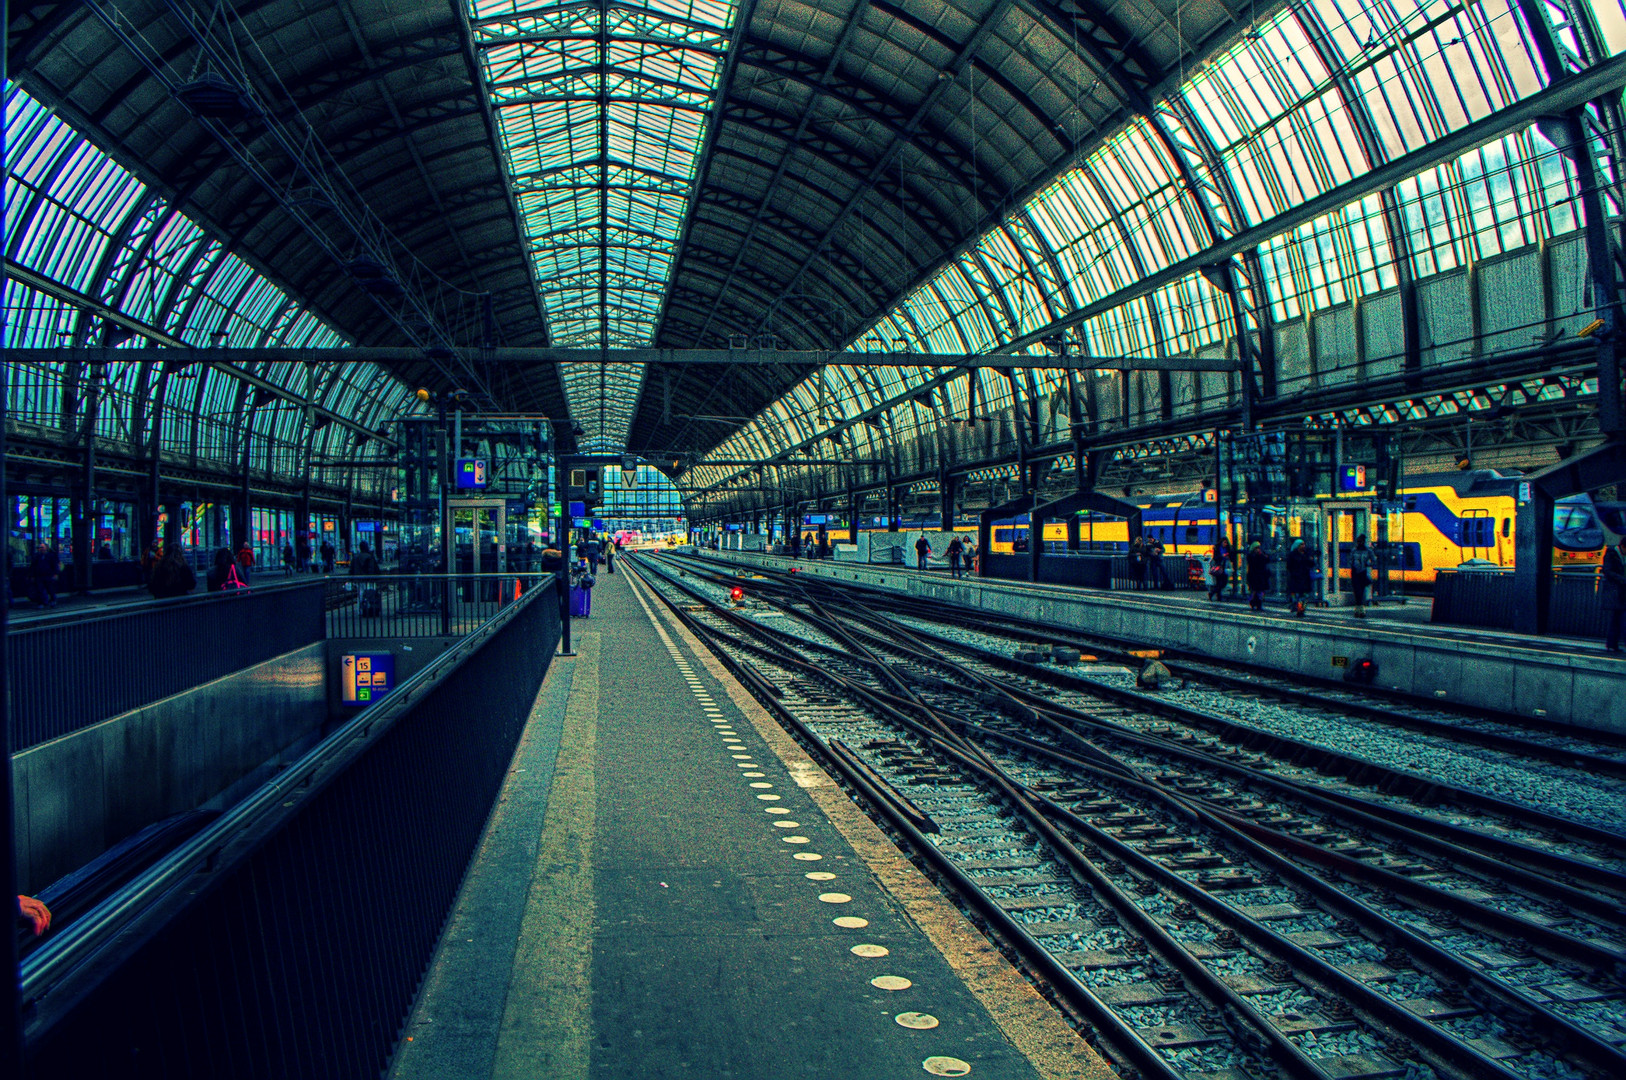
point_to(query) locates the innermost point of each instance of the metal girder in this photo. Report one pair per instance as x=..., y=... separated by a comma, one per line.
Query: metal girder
x=905, y=134
x=1606, y=77
x=179, y=352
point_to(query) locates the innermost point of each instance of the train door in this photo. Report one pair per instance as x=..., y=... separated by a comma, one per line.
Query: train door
x=1342, y=520
x=1479, y=536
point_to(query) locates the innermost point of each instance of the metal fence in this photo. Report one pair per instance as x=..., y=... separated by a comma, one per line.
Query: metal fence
x=421, y=605
x=1484, y=599
x=1177, y=573
x=87, y=666
x=289, y=938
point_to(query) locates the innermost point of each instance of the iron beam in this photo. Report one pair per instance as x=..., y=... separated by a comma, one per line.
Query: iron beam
x=384, y=356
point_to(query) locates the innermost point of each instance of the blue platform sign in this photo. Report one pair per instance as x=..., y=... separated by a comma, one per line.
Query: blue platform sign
x=471, y=472
x=365, y=677
x=1353, y=478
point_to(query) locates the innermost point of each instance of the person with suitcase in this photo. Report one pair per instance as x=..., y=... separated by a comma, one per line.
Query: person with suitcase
x=581, y=597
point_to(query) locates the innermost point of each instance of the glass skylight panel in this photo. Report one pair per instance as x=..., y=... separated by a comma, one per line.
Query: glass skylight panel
x=602, y=112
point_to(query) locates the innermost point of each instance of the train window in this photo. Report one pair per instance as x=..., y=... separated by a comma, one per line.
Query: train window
x=1191, y=534
x=1507, y=527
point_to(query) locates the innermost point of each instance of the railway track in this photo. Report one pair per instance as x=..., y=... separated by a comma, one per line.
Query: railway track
x=1209, y=914
x=1524, y=737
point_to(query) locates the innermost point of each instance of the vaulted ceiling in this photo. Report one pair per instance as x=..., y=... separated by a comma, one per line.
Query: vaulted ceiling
x=716, y=172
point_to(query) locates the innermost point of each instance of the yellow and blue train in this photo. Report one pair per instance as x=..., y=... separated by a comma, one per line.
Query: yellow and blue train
x=1435, y=522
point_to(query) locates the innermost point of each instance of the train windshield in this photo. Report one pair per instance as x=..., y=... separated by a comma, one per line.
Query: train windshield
x=1575, y=524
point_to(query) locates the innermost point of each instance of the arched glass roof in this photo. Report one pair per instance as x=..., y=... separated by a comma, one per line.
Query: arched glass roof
x=1315, y=96
x=601, y=111
x=97, y=257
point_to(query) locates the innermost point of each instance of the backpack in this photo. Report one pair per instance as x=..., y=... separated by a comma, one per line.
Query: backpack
x=234, y=585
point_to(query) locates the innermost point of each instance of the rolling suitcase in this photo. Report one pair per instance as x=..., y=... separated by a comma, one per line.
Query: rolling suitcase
x=581, y=602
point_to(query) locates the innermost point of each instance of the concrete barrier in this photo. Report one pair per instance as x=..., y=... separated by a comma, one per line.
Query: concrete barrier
x=1523, y=676
x=78, y=795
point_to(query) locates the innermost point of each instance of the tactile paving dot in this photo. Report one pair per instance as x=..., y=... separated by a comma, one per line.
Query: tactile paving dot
x=787, y=824
x=807, y=856
x=820, y=875
x=835, y=898
x=946, y=1066
x=769, y=798
x=794, y=839
x=871, y=951
x=890, y=982
x=851, y=922
x=919, y=1021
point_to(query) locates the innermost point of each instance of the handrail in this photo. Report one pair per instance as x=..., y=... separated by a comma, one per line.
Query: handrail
x=23, y=622
x=61, y=972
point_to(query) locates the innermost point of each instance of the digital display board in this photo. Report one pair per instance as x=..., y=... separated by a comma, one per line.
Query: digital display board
x=365, y=677
x=471, y=473
x=815, y=519
x=578, y=510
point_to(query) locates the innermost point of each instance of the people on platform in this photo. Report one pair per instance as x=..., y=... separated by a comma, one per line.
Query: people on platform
x=1154, y=564
x=923, y=551
x=956, y=553
x=593, y=550
x=304, y=552
x=172, y=576
x=1300, y=563
x=1360, y=574
x=105, y=552
x=149, y=561
x=1137, y=563
x=795, y=545
x=220, y=571
x=1257, y=571
x=1613, y=592
x=329, y=553
x=808, y=547
x=365, y=563
x=288, y=565
x=824, y=542
x=46, y=568
x=1219, y=570
x=245, y=560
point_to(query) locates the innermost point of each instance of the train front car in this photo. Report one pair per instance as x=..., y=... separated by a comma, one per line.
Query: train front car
x=1578, y=537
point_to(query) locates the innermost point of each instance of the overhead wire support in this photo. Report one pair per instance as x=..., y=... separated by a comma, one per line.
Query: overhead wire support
x=424, y=319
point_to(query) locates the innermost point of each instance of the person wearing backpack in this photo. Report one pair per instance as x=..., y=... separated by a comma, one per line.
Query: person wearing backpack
x=923, y=551
x=224, y=575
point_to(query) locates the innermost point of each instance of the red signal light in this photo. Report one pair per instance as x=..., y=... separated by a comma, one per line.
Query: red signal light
x=736, y=594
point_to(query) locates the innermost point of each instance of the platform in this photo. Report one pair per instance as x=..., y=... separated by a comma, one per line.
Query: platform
x=669, y=887
x=1558, y=679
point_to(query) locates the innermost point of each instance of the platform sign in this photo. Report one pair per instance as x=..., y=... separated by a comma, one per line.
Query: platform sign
x=365, y=677
x=1353, y=478
x=598, y=524
x=1524, y=491
x=471, y=473
x=578, y=510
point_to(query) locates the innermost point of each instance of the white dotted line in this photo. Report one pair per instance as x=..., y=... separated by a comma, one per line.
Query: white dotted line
x=938, y=1065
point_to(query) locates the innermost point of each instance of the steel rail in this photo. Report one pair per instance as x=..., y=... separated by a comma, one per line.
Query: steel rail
x=1426, y=1034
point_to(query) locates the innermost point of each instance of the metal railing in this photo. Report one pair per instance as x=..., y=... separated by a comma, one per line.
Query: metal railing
x=288, y=938
x=85, y=666
x=421, y=605
x=1484, y=599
